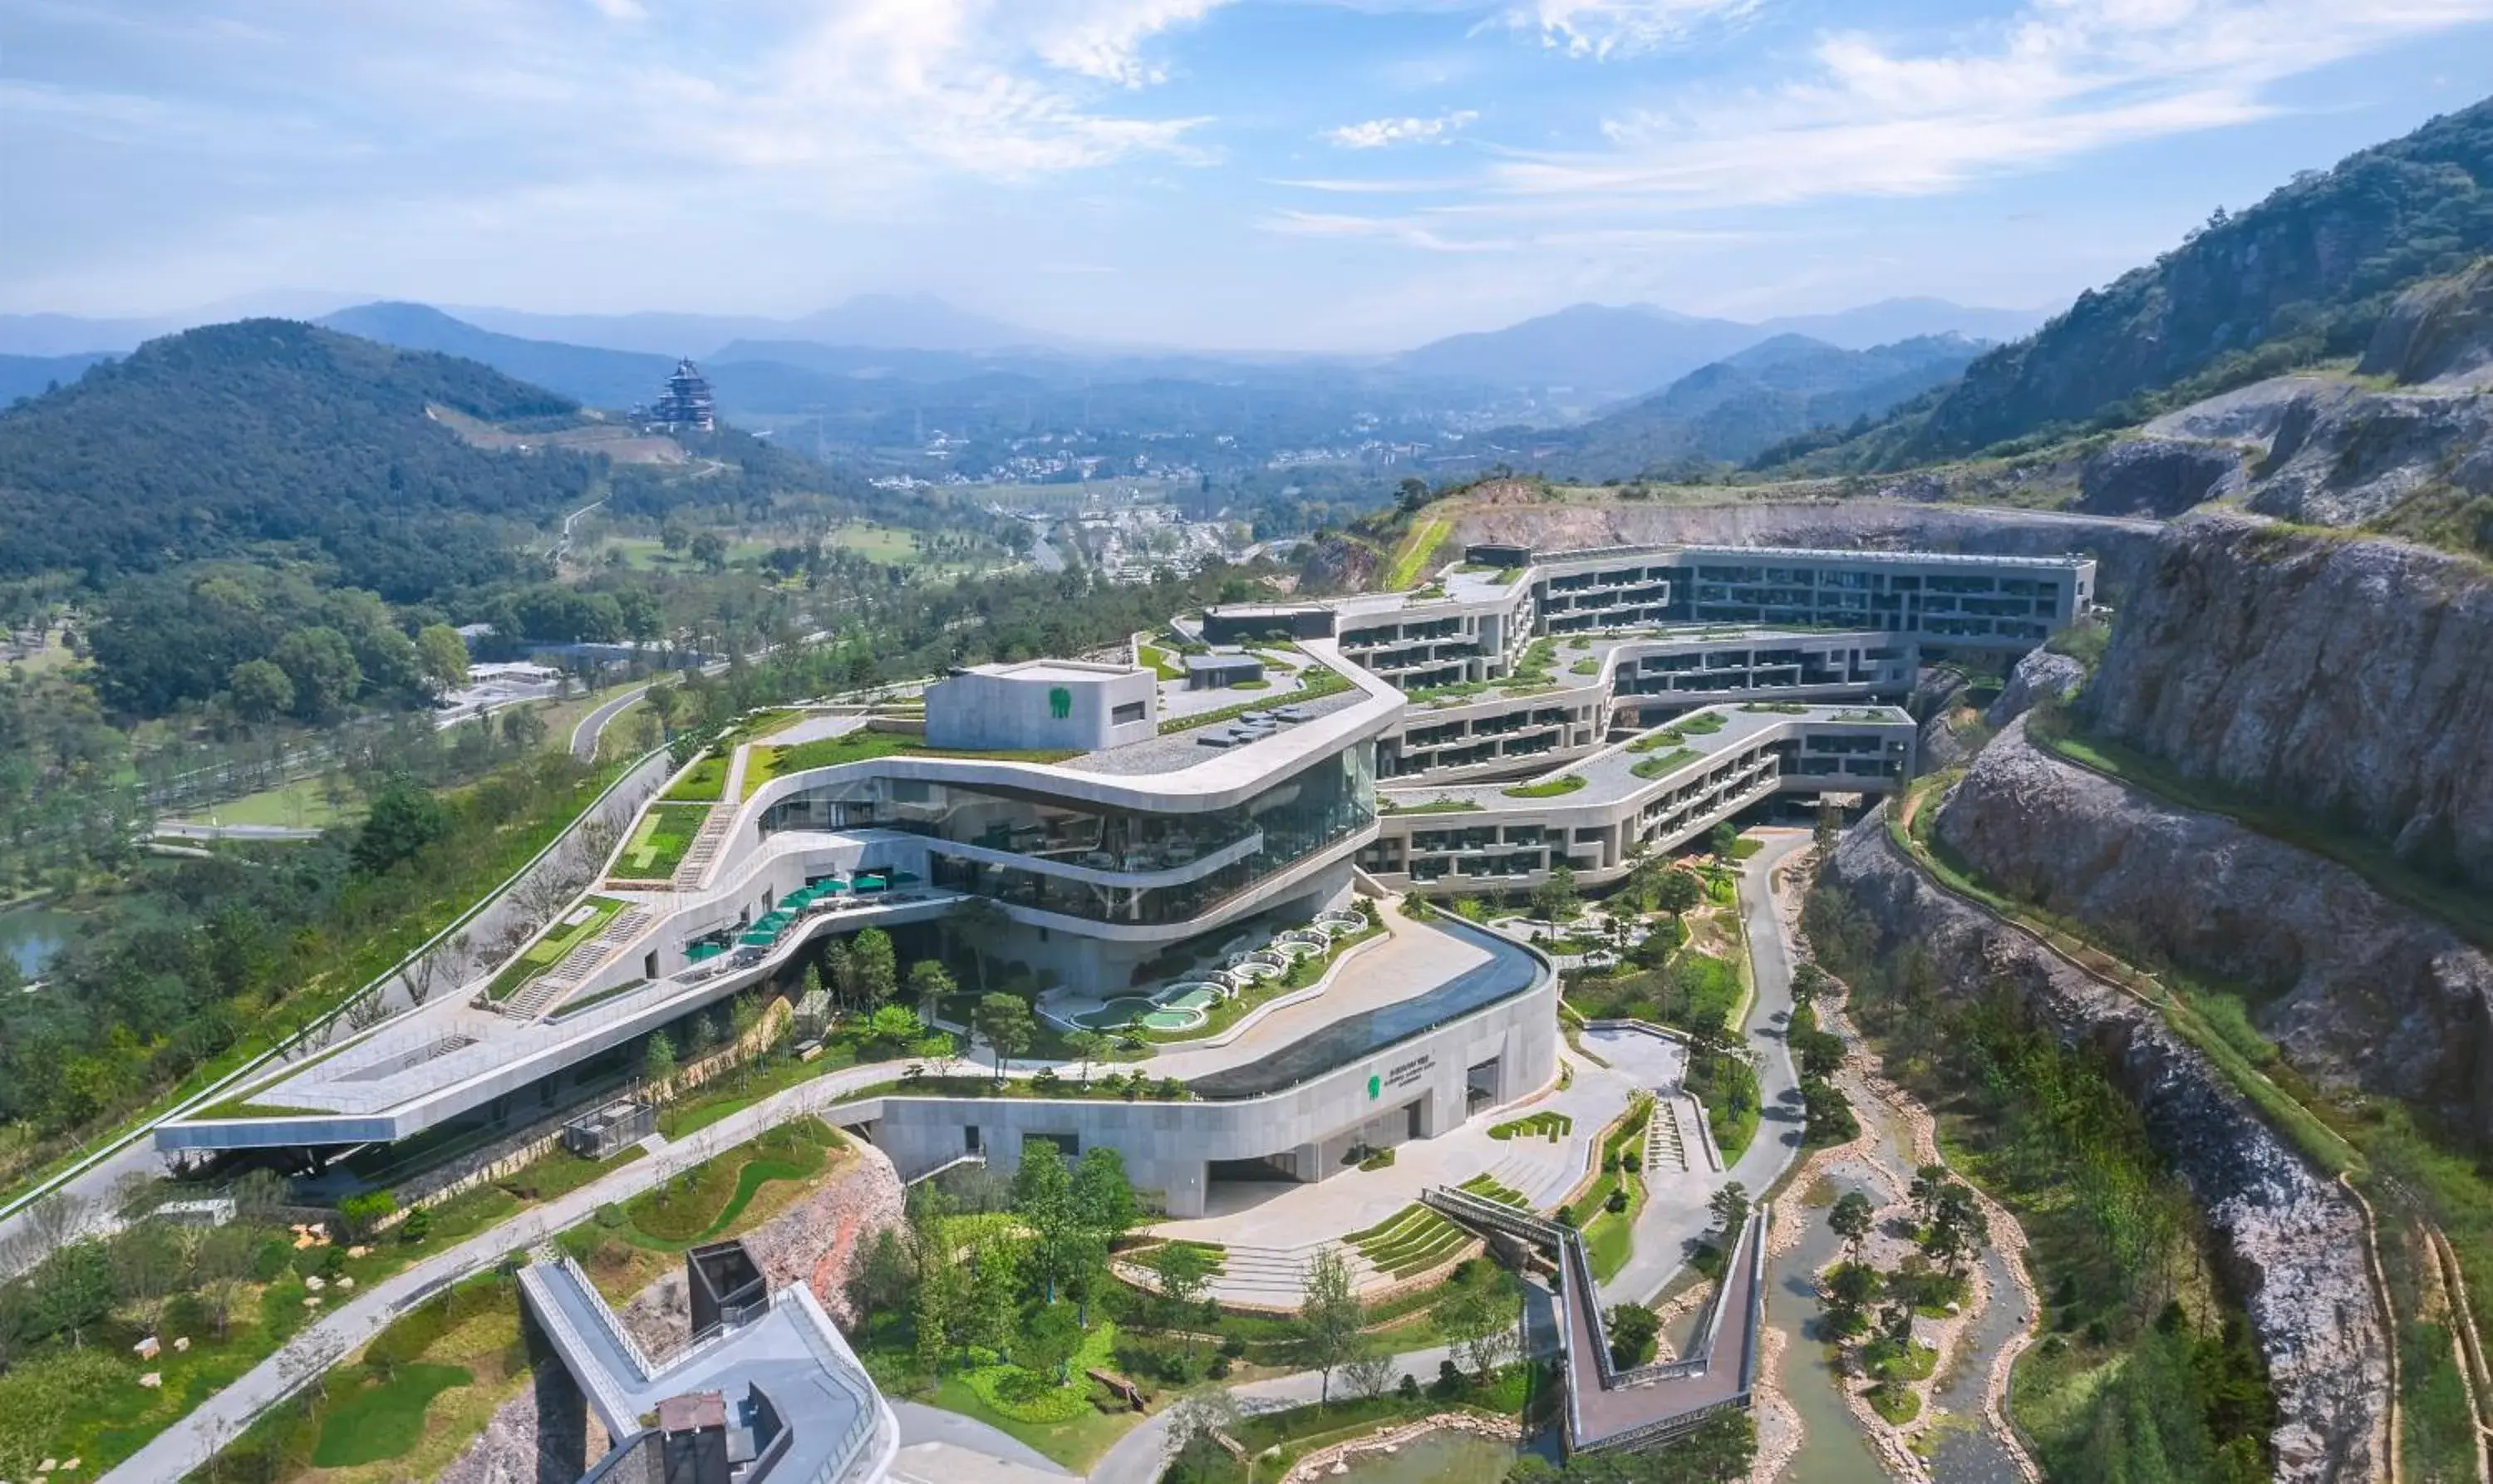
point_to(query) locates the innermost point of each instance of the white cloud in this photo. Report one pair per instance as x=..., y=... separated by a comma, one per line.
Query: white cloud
x=2060, y=78
x=1378, y=133
x=1607, y=28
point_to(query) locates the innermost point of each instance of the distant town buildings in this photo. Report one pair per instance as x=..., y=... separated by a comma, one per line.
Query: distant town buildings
x=687, y=404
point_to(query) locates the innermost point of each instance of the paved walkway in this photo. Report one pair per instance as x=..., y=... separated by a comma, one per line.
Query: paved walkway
x=1139, y=1456
x=188, y=1442
x=1674, y=1216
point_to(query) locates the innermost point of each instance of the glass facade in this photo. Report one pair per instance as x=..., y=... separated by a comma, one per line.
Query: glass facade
x=1178, y=866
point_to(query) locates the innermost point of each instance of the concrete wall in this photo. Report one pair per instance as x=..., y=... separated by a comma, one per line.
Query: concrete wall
x=1042, y=705
x=1167, y=1147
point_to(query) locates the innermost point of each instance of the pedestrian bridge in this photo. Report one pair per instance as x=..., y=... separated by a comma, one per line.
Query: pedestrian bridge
x=1608, y=1408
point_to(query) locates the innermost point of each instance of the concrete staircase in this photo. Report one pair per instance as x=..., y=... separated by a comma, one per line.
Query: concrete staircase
x=556, y=985
x=706, y=844
x=1665, y=1149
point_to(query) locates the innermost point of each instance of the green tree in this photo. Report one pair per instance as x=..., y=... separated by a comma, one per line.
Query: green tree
x=322, y=665
x=1043, y=1196
x=877, y=968
x=363, y=1214
x=1181, y=1272
x=658, y=1061
x=928, y=983
x=1847, y=1292
x=1088, y=1047
x=1477, y=1317
x=1004, y=1021
x=443, y=655
x=1678, y=891
x=895, y=1025
x=883, y=1280
x=260, y=690
x=1852, y=1218
x=1729, y=1206
x=1722, y=839
x=1051, y=1335
x=709, y=549
x=1636, y=1335
x=1555, y=899
x=404, y=819
x=1330, y=1317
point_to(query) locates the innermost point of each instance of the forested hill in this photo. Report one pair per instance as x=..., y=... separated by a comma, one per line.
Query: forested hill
x=2304, y=274
x=208, y=442
x=1731, y=409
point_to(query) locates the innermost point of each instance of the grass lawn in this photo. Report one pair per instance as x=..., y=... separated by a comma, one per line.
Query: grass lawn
x=660, y=840
x=1077, y=1443
x=1411, y=554
x=1547, y=789
x=890, y=544
x=303, y=804
x=703, y=1201
x=705, y=784
x=765, y=763
x=548, y=951
x=732, y=1092
x=383, y=1419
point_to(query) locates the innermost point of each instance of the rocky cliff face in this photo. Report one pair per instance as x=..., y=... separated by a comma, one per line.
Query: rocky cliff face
x=2121, y=548
x=2293, y=1242
x=2160, y=477
x=2039, y=675
x=2344, y=677
x=2441, y=330
x=2358, y=990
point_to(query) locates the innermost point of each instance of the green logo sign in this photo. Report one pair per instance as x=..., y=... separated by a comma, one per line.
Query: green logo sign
x=1375, y=1086
x=1060, y=702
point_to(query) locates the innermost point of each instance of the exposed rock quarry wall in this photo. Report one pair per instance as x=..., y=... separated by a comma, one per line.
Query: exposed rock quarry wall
x=2349, y=677
x=2368, y=992
x=2293, y=1241
x=2122, y=549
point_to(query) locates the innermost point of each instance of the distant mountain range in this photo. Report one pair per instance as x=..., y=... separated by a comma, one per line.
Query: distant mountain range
x=1604, y=353
x=1735, y=408
x=1584, y=356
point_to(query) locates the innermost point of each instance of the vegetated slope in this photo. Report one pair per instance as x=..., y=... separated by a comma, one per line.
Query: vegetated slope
x=1731, y=409
x=2405, y=449
x=589, y=373
x=206, y=443
x=2304, y=273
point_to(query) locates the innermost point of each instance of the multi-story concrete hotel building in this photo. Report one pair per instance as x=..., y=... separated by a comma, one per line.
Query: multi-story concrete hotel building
x=1125, y=833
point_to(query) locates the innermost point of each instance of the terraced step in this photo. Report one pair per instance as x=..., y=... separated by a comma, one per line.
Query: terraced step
x=1664, y=1151
x=706, y=845
x=556, y=985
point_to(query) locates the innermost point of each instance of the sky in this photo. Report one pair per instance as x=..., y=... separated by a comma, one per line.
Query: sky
x=1339, y=175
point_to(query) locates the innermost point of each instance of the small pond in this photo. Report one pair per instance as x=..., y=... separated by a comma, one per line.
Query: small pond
x=29, y=936
x=1444, y=1456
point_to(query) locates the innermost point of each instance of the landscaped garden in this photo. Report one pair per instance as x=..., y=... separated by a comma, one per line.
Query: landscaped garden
x=1552, y=1126
x=659, y=841
x=584, y=923
x=1606, y=1211
x=1547, y=787
x=1412, y=1240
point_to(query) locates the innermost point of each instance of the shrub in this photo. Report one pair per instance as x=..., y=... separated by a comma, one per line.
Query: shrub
x=417, y=1226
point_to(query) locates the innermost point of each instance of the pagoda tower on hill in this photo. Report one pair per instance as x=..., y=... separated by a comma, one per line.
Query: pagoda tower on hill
x=688, y=402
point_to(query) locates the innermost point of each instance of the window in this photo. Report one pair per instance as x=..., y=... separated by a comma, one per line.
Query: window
x=1130, y=711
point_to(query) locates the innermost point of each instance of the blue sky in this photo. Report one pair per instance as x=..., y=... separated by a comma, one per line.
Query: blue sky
x=1317, y=174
